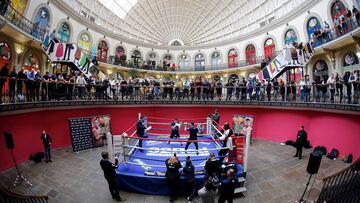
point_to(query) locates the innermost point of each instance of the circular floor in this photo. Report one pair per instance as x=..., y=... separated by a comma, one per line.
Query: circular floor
x=274, y=176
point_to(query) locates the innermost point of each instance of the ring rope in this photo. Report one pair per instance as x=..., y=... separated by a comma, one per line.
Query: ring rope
x=181, y=150
x=130, y=127
x=155, y=166
x=162, y=118
x=160, y=160
x=170, y=140
x=159, y=123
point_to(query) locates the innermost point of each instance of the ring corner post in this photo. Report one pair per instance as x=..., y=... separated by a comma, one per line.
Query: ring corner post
x=208, y=125
x=110, y=141
x=246, y=154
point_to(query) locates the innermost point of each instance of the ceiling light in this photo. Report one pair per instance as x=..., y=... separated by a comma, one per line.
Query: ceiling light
x=358, y=53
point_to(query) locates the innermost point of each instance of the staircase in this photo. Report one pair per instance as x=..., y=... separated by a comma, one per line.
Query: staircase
x=343, y=186
x=72, y=54
x=7, y=196
x=290, y=57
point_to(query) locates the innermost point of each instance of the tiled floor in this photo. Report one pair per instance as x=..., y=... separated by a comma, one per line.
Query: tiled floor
x=274, y=176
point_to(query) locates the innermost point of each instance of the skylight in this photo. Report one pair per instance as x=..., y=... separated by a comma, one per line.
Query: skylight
x=119, y=7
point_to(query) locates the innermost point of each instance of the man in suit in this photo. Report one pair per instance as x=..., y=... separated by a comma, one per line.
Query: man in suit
x=300, y=141
x=46, y=139
x=227, y=187
x=140, y=130
x=110, y=175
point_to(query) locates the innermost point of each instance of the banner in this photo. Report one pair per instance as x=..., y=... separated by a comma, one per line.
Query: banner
x=292, y=56
x=242, y=128
x=69, y=52
x=89, y=132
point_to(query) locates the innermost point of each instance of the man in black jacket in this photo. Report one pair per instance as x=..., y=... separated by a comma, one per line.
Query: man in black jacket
x=140, y=130
x=46, y=139
x=193, y=131
x=300, y=141
x=227, y=188
x=110, y=175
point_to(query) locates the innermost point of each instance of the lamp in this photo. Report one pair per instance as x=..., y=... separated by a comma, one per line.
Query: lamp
x=358, y=53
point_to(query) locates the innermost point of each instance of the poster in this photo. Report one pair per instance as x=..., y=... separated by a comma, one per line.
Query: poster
x=242, y=129
x=89, y=132
x=100, y=126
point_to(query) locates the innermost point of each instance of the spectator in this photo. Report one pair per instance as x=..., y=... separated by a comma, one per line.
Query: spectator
x=302, y=89
x=227, y=187
x=331, y=83
x=46, y=139
x=12, y=84
x=207, y=193
x=173, y=175
x=80, y=82
x=20, y=82
x=110, y=175
x=327, y=31
x=356, y=14
x=339, y=86
x=190, y=184
x=4, y=73
x=212, y=166
x=30, y=89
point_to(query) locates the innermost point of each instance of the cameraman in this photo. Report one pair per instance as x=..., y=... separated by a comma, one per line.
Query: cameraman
x=110, y=175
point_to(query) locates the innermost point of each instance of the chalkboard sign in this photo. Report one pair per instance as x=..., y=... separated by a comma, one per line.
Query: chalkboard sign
x=81, y=135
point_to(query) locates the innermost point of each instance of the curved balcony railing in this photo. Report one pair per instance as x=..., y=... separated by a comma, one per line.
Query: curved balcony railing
x=29, y=91
x=17, y=19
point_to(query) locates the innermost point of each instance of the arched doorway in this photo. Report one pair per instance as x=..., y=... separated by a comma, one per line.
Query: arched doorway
x=64, y=32
x=120, y=56
x=321, y=70
x=269, y=48
x=41, y=22
x=184, y=62
x=232, y=58
x=350, y=59
x=199, y=62
x=31, y=61
x=339, y=14
x=233, y=78
x=290, y=37
x=103, y=49
x=167, y=62
x=151, y=60
x=215, y=60
x=5, y=54
x=312, y=27
x=250, y=54
x=136, y=57
x=85, y=42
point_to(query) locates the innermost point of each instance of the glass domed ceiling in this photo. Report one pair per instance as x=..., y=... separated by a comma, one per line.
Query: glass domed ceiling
x=193, y=22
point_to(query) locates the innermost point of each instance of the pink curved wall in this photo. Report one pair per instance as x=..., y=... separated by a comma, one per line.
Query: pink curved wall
x=332, y=130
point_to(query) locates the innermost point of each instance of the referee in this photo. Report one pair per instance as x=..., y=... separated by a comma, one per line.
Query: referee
x=193, y=137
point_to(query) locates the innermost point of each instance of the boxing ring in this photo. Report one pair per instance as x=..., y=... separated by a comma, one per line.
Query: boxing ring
x=142, y=169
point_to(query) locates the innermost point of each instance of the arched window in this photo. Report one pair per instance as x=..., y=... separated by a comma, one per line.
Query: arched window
x=41, y=22
x=290, y=37
x=199, y=62
x=339, y=14
x=232, y=58
x=103, y=49
x=151, y=60
x=63, y=32
x=5, y=54
x=31, y=62
x=312, y=25
x=321, y=71
x=120, y=54
x=167, y=60
x=269, y=48
x=250, y=53
x=184, y=61
x=233, y=78
x=136, y=57
x=350, y=59
x=215, y=60
x=85, y=41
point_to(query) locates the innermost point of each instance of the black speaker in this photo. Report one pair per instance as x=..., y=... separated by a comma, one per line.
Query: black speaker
x=314, y=162
x=9, y=140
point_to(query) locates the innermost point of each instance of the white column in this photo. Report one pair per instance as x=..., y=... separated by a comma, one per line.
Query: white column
x=109, y=139
x=246, y=150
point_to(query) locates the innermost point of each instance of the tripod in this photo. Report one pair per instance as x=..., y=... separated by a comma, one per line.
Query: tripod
x=19, y=178
x=307, y=184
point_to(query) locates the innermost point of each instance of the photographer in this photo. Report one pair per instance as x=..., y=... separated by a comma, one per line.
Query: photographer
x=190, y=183
x=173, y=175
x=110, y=175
